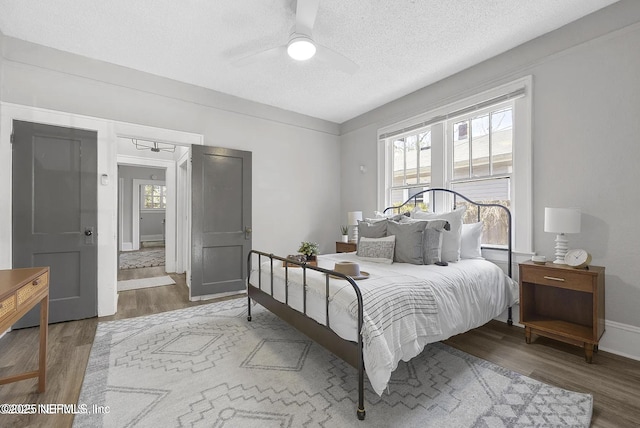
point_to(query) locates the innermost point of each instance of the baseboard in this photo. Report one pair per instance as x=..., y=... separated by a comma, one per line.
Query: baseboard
x=127, y=246
x=515, y=315
x=156, y=237
x=620, y=339
x=216, y=296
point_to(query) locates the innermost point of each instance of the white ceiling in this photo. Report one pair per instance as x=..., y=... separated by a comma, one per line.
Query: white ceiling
x=399, y=45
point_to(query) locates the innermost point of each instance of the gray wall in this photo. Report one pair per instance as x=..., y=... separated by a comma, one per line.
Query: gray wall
x=296, y=163
x=151, y=223
x=586, y=104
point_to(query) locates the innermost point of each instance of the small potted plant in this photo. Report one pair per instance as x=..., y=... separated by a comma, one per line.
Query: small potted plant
x=345, y=233
x=309, y=249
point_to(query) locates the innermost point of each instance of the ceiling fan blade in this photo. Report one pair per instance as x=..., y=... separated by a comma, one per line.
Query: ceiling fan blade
x=335, y=59
x=260, y=56
x=306, y=11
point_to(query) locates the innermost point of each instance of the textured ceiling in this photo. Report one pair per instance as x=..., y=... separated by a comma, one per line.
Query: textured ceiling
x=399, y=45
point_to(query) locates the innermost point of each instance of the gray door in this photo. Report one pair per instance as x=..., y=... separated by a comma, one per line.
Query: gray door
x=55, y=215
x=221, y=219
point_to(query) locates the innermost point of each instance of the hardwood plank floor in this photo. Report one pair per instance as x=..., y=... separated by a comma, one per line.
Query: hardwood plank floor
x=614, y=381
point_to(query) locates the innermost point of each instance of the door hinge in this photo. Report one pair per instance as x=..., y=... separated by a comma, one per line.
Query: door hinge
x=12, y=139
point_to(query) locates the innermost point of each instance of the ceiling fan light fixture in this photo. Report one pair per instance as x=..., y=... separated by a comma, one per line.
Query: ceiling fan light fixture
x=301, y=48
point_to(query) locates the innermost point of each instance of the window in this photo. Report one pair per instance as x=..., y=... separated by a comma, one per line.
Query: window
x=410, y=166
x=482, y=164
x=154, y=197
x=479, y=147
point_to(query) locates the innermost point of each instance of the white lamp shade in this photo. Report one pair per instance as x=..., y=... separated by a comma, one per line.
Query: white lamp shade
x=561, y=220
x=353, y=217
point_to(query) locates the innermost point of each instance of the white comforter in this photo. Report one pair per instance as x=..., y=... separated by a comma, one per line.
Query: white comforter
x=443, y=301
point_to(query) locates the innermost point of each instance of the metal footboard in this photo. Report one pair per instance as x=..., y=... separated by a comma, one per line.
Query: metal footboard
x=321, y=334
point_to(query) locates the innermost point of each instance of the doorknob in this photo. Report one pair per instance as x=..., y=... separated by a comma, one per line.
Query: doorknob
x=247, y=232
x=88, y=236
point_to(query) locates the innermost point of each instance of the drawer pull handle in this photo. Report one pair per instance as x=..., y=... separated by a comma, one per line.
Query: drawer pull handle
x=553, y=278
x=35, y=282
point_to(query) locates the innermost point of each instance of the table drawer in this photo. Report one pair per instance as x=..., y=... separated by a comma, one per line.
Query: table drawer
x=33, y=288
x=346, y=247
x=555, y=277
x=7, y=307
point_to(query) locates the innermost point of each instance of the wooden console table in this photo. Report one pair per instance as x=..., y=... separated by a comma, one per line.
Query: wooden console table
x=20, y=291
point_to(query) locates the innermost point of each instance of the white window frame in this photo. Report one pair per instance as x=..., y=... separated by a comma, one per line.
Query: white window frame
x=389, y=190
x=521, y=178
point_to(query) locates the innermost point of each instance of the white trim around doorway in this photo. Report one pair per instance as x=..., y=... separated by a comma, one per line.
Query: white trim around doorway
x=107, y=189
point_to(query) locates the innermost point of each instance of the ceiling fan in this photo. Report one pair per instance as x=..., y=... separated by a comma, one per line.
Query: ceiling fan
x=301, y=46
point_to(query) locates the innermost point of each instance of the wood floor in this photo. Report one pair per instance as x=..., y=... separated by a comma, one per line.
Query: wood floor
x=614, y=381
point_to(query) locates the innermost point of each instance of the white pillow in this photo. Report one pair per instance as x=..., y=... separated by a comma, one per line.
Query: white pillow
x=450, y=238
x=377, y=250
x=390, y=215
x=470, y=241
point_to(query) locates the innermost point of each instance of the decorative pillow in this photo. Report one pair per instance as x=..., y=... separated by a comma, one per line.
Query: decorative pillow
x=374, y=220
x=470, y=241
x=408, y=241
x=390, y=215
x=431, y=239
x=450, y=238
x=378, y=250
x=377, y=229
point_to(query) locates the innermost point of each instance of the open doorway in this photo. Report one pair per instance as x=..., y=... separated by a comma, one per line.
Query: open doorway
x=147, y=206
x=143, y=204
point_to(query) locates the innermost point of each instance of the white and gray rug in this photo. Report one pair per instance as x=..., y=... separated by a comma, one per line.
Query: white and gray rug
x=142, y=258
x=207, y=366
x=136, y=284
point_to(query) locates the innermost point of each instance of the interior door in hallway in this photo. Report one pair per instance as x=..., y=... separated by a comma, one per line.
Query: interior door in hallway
x=54, y=215
x=221, y=220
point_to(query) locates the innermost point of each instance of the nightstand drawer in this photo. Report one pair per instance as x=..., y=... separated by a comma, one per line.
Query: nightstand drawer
x=346, y=247
x=562, y=278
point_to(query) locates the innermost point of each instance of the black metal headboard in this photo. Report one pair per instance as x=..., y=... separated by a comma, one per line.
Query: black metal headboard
x=414, y=199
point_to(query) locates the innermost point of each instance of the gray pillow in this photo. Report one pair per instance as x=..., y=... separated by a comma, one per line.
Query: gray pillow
x=431, y=239
x=372, y=230
x=450, y=239
x=408, y=241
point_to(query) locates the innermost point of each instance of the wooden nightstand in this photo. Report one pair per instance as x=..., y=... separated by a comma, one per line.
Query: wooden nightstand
x=563, y=303
x=346, y=247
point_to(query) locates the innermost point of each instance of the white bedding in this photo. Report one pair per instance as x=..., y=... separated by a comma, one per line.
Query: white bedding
x=467, y=295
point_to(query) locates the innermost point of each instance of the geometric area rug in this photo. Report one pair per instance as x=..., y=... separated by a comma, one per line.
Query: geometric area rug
x=207, y=366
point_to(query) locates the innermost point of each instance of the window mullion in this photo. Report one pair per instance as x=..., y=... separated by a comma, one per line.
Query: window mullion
x=404, y=161
x=470, y=134
x=418, y=152
x=490, y=143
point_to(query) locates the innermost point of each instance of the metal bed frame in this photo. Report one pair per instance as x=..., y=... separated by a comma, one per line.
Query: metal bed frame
x=350, y=352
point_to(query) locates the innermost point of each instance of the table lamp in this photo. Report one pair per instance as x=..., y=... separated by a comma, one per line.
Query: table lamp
x=561, y=221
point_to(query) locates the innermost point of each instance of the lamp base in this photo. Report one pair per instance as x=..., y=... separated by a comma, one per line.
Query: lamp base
x=562, y=246
x=354, y=235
